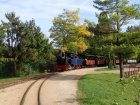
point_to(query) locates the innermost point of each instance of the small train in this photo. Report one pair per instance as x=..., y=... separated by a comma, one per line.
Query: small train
x=68, y=61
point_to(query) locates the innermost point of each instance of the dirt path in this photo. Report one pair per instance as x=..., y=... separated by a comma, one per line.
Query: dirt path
x=60, y=89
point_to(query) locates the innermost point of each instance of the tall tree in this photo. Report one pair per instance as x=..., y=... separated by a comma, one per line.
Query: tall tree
x=12, y=37
x=1, y=34
x=23, y=42
x=92, y=39
x=90, y=26
x=2, y=30
x=104, y=25
x=66, y=30
x=33, y=42
x=120, y=13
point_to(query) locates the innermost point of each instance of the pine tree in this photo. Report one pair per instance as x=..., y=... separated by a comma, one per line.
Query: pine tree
x=12, y=38
x=119, y=13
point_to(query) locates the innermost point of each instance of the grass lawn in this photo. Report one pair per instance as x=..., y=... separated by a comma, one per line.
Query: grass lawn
x=103, y=89
x=6, y=80
x=106, y=69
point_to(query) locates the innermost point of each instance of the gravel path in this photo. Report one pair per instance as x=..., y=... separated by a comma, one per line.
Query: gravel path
x=60, y=89
x=12, y=95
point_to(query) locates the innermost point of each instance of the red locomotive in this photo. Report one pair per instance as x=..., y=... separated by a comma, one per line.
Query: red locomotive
x=67, y=61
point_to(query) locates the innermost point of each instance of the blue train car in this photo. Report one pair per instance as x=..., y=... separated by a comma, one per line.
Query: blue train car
x=76, y=63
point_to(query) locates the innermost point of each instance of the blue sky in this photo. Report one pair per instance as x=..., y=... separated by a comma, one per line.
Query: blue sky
x=44, y=11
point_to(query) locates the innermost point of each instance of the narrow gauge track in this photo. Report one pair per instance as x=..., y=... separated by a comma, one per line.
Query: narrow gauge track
x=24, y=98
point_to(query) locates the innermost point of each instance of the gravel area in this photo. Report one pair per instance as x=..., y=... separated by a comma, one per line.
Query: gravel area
x=60, y=89
x=12, y=95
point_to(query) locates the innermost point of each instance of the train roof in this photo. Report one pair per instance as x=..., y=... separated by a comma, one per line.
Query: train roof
x=89, y=55
x=86, y=55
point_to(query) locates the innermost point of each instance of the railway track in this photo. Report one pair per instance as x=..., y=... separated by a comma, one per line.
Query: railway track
x=33, y=91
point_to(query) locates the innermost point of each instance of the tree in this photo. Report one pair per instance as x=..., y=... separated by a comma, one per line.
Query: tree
x=66, y=32
x=30, y=42
x=77, y=41
x=12, y=38
x=37, y=46
x=92, y=49
x=1, y=34
x=23, y=42
x=90, y=26
x=104, y=25
x=119, y=13
x=2, y=30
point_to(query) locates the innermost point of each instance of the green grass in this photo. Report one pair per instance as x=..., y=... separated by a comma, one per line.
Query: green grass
x=12, y=79
x=106, y=69
x=103, y=89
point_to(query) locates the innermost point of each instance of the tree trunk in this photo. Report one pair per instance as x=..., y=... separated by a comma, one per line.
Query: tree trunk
x=14, y=69
x=114, y=61
x=121, y=65
x=109, y=61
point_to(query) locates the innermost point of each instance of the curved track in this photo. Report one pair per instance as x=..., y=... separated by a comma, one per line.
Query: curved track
x=39, y=102
x=26, y=92
x=39, y=86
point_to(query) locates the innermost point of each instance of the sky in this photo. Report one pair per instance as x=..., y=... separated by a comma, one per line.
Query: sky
x=44, y=11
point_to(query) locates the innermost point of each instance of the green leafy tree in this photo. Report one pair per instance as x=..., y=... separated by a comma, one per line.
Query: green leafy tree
x=34, y=47
x=104, y=25
x=63, y=26
x=2, y=29
x=30, y=42
x=12, y=38
x=92, y=40
x=90, y=26
x=23, y=43
x=67, y=33
x=119, y=13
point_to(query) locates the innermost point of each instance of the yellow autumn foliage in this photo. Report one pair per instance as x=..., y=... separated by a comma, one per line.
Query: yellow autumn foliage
x=72, y=46
x=83, y=31
x=69, y=34
x=82, y=46
x=79, y=46
x=64, y=48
